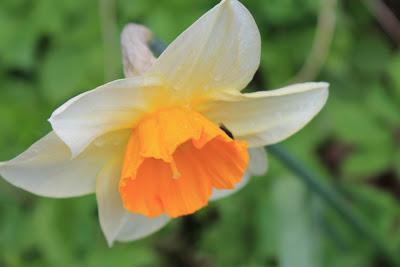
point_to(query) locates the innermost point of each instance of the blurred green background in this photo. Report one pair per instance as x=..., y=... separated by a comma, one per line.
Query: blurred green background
x=52, y=50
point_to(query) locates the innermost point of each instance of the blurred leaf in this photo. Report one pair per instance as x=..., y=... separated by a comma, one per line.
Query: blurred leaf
x=288, y=11
x=383, y=106
x=17, y=43
x=56, y=251
x=354, y=124
x=68, y=63
x=366, y=164
x=383, y=211
x=341, y=47
x=396, y=161
x=371, y=55
x=298, y=245
x=67, y=72
x=48, y=17
x=123, y=257
x=394, y=72
x=279, y=57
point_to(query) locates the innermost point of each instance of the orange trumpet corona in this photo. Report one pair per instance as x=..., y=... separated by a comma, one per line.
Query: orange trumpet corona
x=173, y=160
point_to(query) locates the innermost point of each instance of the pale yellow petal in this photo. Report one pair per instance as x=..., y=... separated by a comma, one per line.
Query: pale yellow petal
x=268, y=117
x=258, y=164
x=116, y=222
x=114, y=106
x=137, y=226
x=220, y=50
x=46, y=167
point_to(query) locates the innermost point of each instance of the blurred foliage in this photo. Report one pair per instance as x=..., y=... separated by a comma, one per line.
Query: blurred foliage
x=52, y=50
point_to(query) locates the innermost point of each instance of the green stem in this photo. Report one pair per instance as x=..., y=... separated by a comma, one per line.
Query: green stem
x=110, y=42
x=333, y=199
x=322, y=43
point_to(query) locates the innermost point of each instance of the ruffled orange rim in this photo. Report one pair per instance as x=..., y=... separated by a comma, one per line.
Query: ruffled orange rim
x=173, y=160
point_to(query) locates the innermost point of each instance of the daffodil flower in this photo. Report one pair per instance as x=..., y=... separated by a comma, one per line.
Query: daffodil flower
x=172, y=135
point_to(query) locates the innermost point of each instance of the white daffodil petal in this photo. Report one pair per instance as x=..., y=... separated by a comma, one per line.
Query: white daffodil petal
x=46, y=168
x=221, y=193
x=136, y=54
x=220, y=50
x=137, y=226
x=116, y=222
x=258, y=164
x=268, y=117
x=113, y=106
x=111, y=212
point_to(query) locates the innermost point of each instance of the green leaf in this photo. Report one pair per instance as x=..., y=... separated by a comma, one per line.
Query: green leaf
x=67, y=72
x=123, y=256
x=383, y=106
x=382, y=210
x=17, y=41
x=288, y=11
x=394, y=72
x=368, y=62
x=355, y=124
x=47, y=233
x=396, y=160
x=367, y=163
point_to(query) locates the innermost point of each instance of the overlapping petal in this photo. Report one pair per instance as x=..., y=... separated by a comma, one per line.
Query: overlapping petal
x=221, y=50
x=258, y=164
x=110, y=107
x=46, y=168
x=268, y=117
x=137, y=226
x=116, y=222
x=222, y=193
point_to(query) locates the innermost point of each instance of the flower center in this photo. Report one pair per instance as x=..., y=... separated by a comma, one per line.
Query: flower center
x=173, y=160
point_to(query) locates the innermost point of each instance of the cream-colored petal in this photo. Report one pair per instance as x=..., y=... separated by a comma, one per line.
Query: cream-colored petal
x=268, y=117
x=46, y=168
x=117, y=223
x=221, y=193
x=258, y=164
x=111, y=212
x=110, y=107
x=136, y=54
x=137, y=226
x=220, y=50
